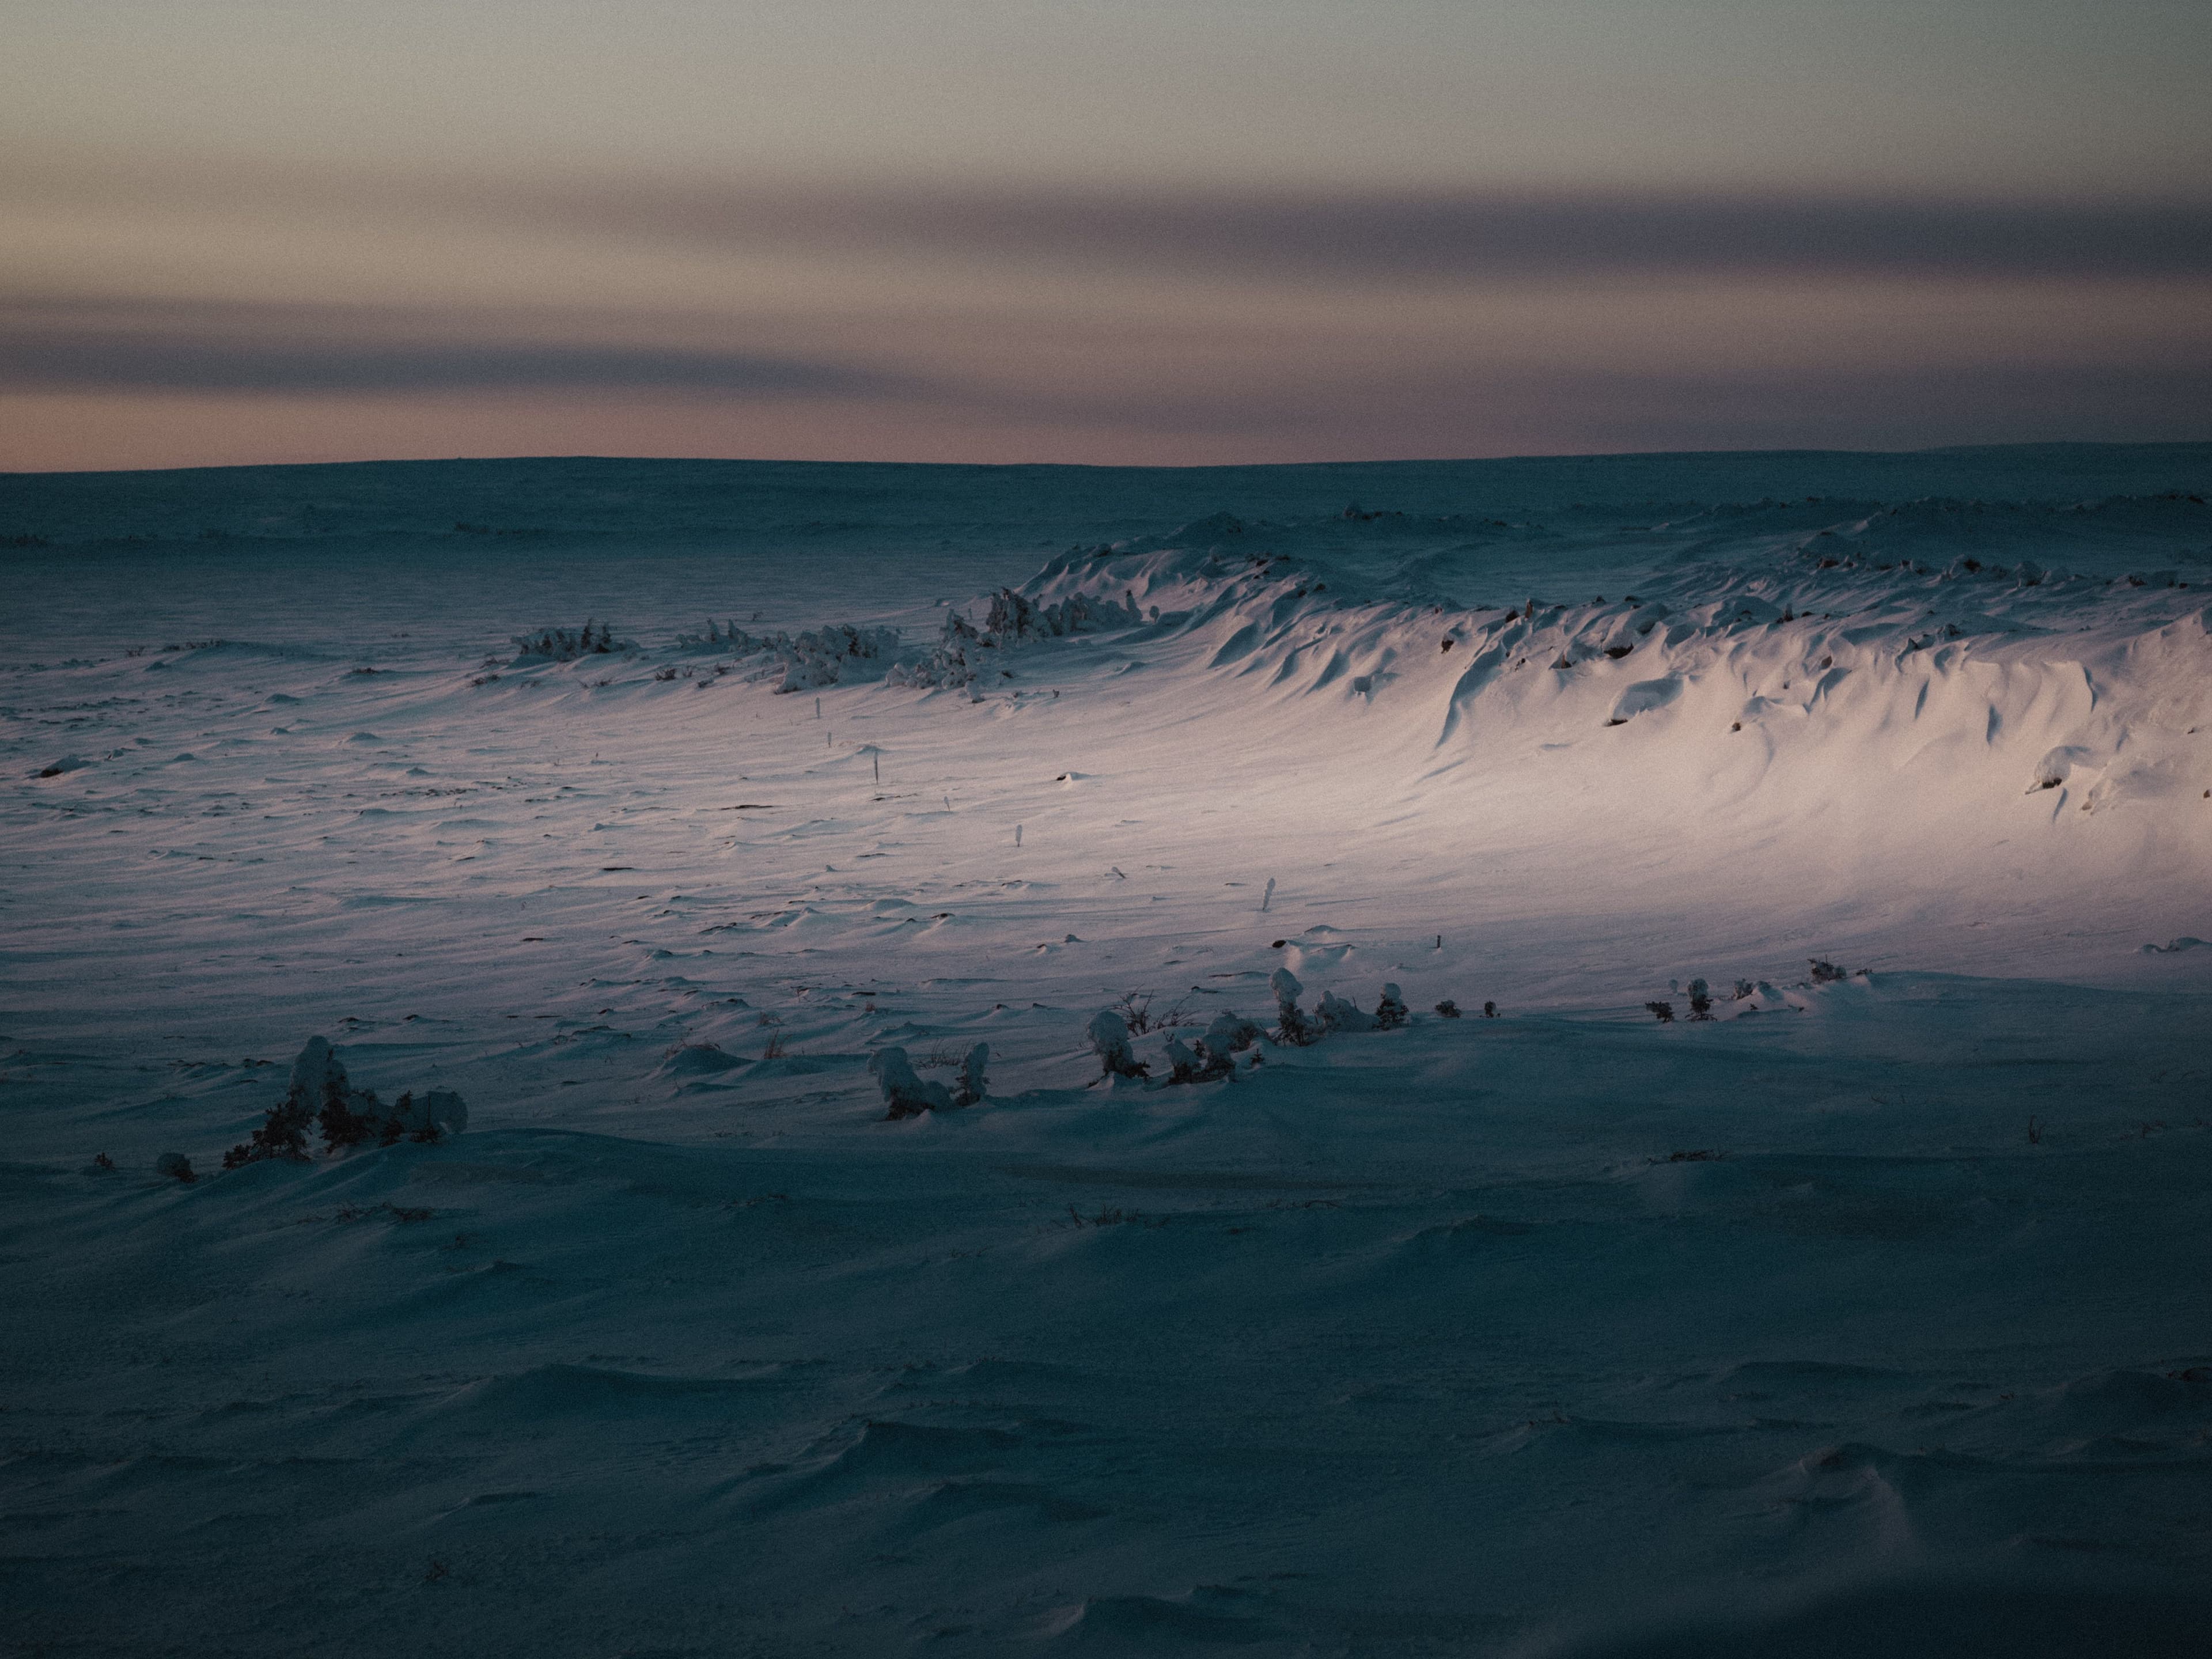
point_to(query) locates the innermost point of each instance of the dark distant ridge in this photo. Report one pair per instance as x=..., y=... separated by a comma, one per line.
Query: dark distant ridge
x=595, y=497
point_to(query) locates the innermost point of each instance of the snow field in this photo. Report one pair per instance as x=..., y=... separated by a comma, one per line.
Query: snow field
x=1872, y=1318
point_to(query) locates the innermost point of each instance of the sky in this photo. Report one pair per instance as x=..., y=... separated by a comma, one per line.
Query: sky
x=999, y=230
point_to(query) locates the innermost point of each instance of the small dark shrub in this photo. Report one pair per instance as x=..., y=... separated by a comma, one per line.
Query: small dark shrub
x=1489, y=1011
x=1662, y=1011
x=1825, y=973
x=973, y=1081
x=1293, y=1025
x=342, y=1126
x=282, y=1134
x=176, y=1166
x=1448, y=1009
x=1135, y=1008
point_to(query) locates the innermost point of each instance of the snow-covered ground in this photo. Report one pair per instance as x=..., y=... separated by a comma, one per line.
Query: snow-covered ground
x=1870, y=1314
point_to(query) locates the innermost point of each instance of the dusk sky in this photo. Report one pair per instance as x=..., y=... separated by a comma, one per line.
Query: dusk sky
x=1218, y=230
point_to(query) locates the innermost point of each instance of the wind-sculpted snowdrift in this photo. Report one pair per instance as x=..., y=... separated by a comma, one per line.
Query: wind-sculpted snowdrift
x=1769, y=666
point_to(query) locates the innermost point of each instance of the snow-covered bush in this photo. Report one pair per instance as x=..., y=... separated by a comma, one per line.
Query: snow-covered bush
x=321, y=1095
x=1701, y=1000
x=1183, y=1065
x=1109, y=1041
x=1391, y=1012
x=822, y=656
x=1337, y=1013
x=1662, y=1011
x=973, y=1082
x=948, y=664
x=1448, y=1009
x=176, y=1166
x=1012, y=619
x=559, y=645
x=806, y=662
x=905, y=1094
x=1290, y=1023
x=1232, y=1034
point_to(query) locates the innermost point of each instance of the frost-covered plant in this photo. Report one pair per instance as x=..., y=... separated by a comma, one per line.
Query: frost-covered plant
x=321, y=1095
x=1662, y=1011
x=973, y=1082
x=1109, y=1041
x=1136, y=1008
x=1337, y=1013
x=1290, y=1023
x=559, y=645
x=818, y=657
x=283, y=1131
x=1448, y=1009
x=1744, y=991
x=176, y=1166
x=1489, y=1011
x=1825, y=973
x=1012, y=619
x=1183, y=1065
x=1230, y=1034
x=905, y=1094
x=1391, y=1012
x=1701, y=1000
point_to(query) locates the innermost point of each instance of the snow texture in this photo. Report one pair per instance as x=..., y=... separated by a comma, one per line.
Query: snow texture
x=1861, y=1309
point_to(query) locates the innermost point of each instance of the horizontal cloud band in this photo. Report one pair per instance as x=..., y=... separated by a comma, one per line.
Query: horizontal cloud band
x=1439, y=236
x=139, y=360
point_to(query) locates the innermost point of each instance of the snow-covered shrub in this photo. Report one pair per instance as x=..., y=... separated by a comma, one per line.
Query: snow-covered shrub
x=973, y=1082
x=1230, y=1034
x=1014, y=616
x=1012, y=619
x=1109, y=1041
x=1391, y=1012
x=1825, y=973
x=1489, y=1011
x=1290, y=1023
x=807, y=661
x=905, y=1094
x=283, y=1132
x=321, y=1095
x=947, y=665
x=1337, y=1013
x=1662, y=1011
x=1135, y=1008
x=1448, y=1009
x=821, y=656
x=1701, y=1000
x=176, y=1166
x=1183, y=1065
x=733, y=640
x=559, y=645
